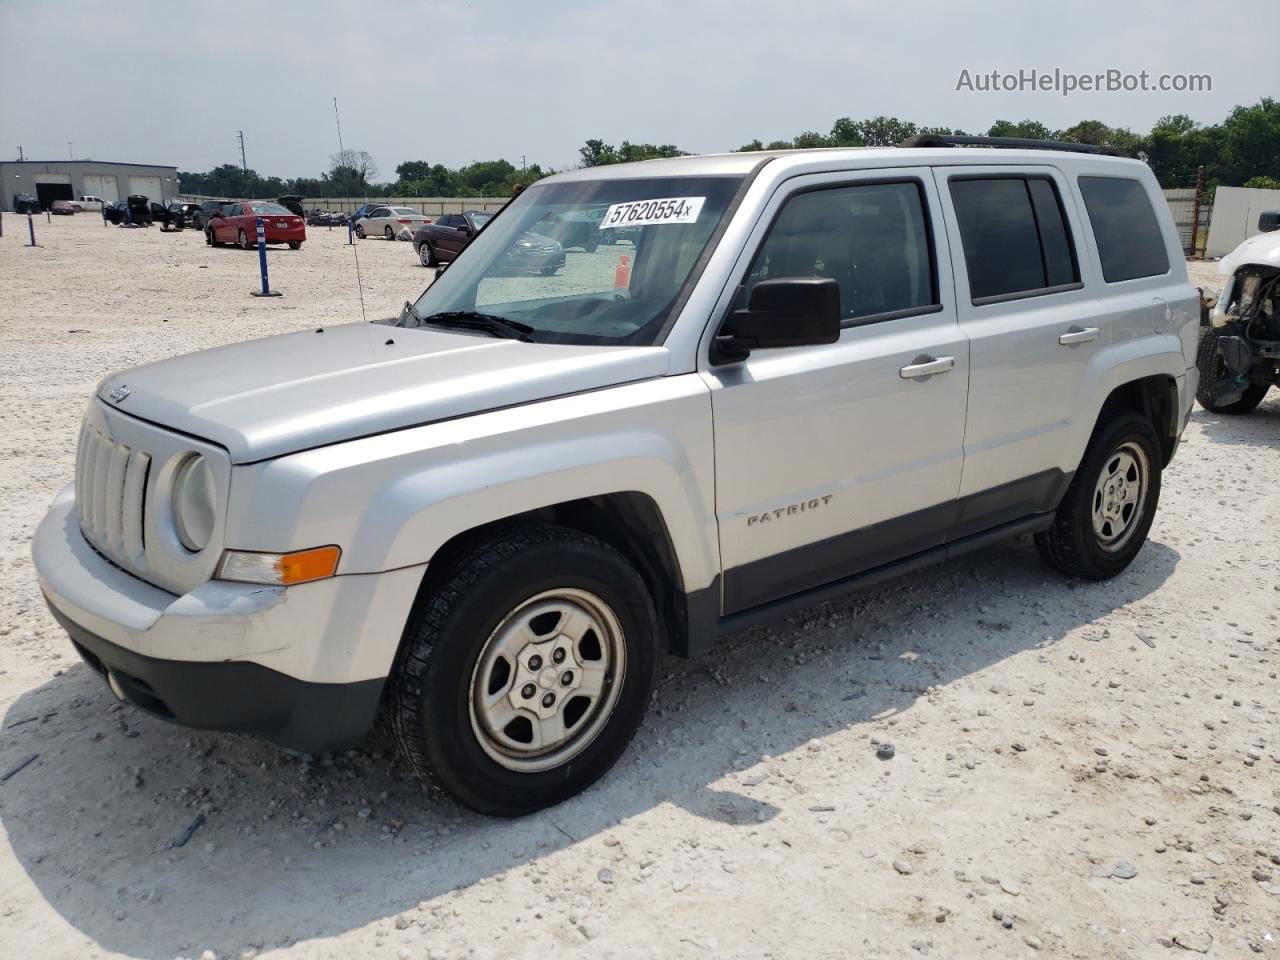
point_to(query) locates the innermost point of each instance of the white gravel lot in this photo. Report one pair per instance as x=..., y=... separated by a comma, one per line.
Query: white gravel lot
x=1097, y=764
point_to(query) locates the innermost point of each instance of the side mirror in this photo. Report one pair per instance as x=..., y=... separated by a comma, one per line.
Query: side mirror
x=786, y=312
x=1269, y=221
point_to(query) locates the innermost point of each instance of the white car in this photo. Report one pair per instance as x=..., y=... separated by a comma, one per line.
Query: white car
x=490, y=518
x=88, y=203
x=391, y=223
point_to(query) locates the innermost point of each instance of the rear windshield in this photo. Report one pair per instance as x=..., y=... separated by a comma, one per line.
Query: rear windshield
x=272, y=208
x=406, y=212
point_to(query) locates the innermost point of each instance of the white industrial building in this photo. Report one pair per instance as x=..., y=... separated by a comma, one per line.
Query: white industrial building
x=50, y=180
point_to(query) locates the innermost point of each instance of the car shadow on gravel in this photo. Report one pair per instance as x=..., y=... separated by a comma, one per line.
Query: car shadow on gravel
x=153, y=841
x=1259, y=427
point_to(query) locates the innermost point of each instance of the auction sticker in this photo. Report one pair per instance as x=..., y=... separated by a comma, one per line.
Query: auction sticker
x=644, y=213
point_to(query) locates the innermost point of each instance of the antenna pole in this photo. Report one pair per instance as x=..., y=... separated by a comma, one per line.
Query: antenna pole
x=243, y=163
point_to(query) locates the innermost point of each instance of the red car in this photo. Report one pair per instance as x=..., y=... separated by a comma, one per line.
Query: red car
x=62, y=208
x=238, y=223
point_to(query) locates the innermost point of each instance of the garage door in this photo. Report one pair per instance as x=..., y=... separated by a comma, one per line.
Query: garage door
x=101, y=185
x=51, y=187
x=149, y=187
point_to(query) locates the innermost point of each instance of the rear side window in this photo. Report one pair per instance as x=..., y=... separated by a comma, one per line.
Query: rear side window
x=1130, y=242
x=872, y=239
x=1015, y=235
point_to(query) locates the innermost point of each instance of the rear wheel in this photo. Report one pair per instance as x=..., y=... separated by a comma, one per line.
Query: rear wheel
x=208, y=238
x=295, y=244
x=525, y=670
x=590, y=245
x=388, y=233
x=1214, y=373
x=243, y=240
x=1106, y=514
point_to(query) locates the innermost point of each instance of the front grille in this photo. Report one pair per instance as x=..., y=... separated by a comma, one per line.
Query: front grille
x=111, y=492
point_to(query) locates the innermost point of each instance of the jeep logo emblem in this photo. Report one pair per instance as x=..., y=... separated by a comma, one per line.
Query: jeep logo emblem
x=119, y=393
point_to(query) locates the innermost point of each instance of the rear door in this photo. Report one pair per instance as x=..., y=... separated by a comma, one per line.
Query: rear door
x=1036, y=340
x=835, y=459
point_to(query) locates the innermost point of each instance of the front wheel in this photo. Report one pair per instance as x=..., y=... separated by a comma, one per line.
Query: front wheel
x=388, y=233
x=525, y=670
x=1214, y=372
x=1106, y=514
x=426, y=256
x=208, y=238
x=359, y=231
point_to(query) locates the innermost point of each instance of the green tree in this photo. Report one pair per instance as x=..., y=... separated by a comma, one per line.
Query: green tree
x=412, y=170
x=754, y=145
x=1263, y=183
x=595, y=153
x=1027, y=129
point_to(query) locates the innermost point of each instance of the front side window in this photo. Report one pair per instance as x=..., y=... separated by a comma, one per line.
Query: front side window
x=622, y=291
x=1015, y=236
x=1130, y=242
x=872, y=239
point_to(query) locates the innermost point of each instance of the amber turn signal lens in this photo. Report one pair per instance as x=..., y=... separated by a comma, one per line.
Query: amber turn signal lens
x=280, y=569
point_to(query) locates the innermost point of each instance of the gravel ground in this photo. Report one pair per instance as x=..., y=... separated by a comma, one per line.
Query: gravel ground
x=1082, y=770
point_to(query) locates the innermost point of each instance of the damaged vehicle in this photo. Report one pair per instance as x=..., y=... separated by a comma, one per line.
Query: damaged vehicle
x=1239, y=356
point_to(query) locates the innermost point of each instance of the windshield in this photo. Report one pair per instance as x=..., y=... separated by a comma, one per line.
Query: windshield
x=268, y=208
x=404, y=212
x=590, y=262
x=480, y=219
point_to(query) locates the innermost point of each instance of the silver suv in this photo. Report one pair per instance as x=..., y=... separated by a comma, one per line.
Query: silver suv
x=800, y=372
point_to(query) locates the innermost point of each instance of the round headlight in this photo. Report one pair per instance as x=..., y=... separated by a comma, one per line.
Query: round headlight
x=193, y=503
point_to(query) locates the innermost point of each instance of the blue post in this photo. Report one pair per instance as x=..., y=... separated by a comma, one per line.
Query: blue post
x=1, y=223
x=262, y=262
x=31, y=227
x=350, y=236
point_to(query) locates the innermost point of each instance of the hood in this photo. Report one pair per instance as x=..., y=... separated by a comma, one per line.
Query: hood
x=265, y=398
x=1263, y=249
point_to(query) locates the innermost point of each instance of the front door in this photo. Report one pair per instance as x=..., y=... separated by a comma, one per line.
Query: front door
x=832, y=460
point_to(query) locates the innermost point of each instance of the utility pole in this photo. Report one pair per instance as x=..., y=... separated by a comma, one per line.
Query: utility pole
x=19, y=154
x=522, y=163
x=70, y=154
x=243, y=163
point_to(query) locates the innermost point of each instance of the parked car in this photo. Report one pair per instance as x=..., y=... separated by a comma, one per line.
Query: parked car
x=175, y=216
x=389, y=222
x=1239, y=358
x=815, y=370
x=91, y=203
x=442, y=240
x=323, y=218
x=200, y=218
x=135, y=210
x=238, y=223
x=62, y=208
x=25, y=203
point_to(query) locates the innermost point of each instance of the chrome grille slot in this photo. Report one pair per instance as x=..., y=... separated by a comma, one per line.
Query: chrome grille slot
x=111, y=481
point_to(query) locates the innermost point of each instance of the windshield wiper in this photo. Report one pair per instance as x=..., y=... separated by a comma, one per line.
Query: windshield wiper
x=472, y=319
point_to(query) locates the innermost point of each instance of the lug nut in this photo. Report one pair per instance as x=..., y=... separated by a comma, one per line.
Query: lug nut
x=548, y=699
x=557, y=655
x=535, y=662
x=566, y=678
x=528, y=690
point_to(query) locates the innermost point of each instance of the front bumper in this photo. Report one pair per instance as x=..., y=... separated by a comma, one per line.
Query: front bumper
x=302, y=666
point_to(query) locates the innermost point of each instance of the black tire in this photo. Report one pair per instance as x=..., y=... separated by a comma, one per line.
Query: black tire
x=208, y=238
x=359, y=231
x=1213, y=371
x=427, y=256
x=295, y=244
x=388, y=233
x=1071, y=544
x=548, y=271
x=243, y=240
x=591, y=245
x=429, y=706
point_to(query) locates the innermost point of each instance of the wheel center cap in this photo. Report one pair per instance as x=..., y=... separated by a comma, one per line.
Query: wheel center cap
x=547, y=678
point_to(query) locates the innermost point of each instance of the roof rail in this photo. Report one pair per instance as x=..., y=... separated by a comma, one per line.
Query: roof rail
x=935, y=140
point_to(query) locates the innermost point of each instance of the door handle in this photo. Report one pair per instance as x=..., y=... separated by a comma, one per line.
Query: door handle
x=926, y=366
x=1078, y=335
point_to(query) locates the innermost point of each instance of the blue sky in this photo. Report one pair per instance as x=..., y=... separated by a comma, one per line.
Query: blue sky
x=172, y=82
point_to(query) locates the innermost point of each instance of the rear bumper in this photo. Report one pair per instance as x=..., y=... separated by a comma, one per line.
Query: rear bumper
x=233, y=697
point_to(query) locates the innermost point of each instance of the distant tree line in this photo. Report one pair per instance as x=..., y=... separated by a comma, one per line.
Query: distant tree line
x=1242, y=150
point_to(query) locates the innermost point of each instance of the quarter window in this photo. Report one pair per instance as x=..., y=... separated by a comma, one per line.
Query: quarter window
x=872, y=239
x=1015, y=236
x=1130, y=242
